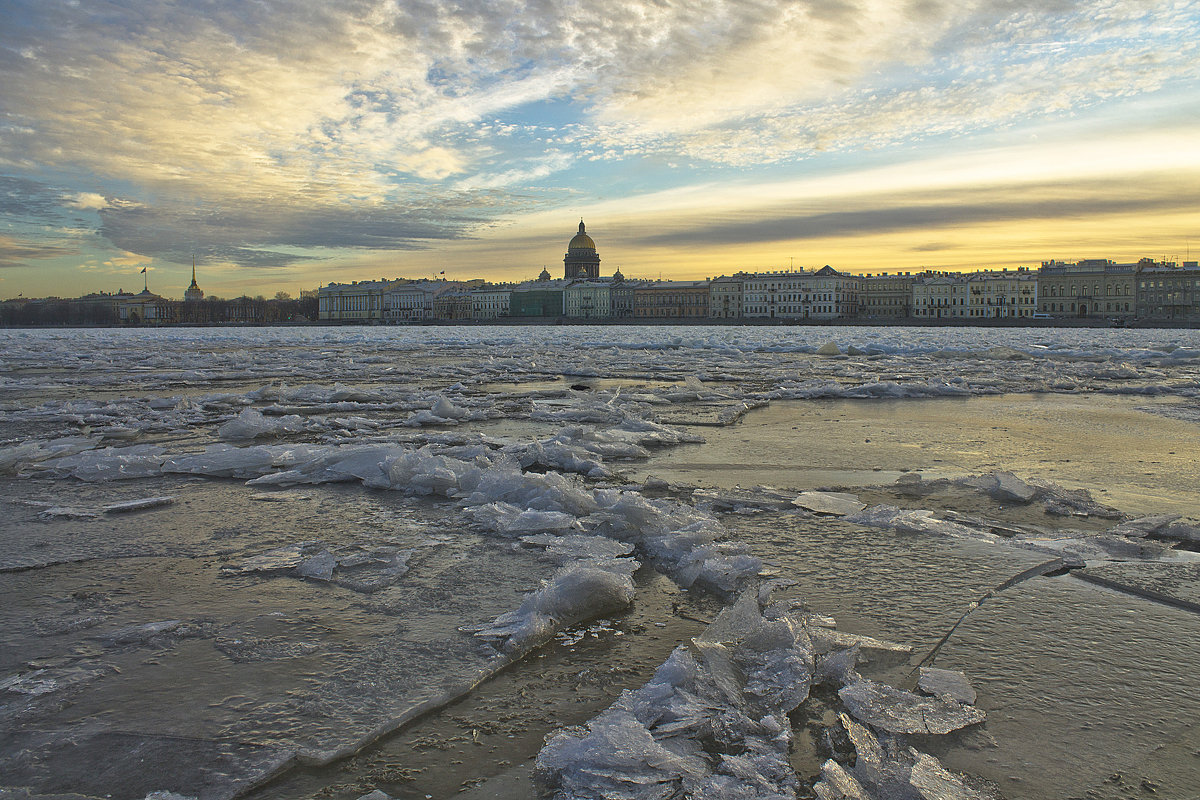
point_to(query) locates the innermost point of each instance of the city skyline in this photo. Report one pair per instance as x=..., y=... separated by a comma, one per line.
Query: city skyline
x=287, y=149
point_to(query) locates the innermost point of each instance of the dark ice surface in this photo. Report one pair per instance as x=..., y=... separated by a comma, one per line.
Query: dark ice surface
x=135, y=642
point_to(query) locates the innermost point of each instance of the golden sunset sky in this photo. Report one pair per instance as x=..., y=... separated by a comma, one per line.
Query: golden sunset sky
x=288, y=145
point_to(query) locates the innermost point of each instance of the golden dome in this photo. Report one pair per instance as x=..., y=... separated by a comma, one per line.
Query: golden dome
x=581, y=241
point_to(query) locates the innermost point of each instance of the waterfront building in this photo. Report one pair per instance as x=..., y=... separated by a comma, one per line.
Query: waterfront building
x=940, y=295
x=452, y=303
x=621, y=294
x=1002, y=294
x=1169, y=292
x=671, y=300
x=725, y=296
x=835, y=294
x=588, y=299
x=540, y=298
x=581, y=260
x=1092, y=287
x=825, y=294
x=777, y=295
x=360, y=301
x=885, y=296
x=146, y=308
x=491, y=301
x=411, y=302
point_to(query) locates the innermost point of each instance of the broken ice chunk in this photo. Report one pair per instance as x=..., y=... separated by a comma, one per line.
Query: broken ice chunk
x=1162, y=526
x=884, y=767
x=1003, y=486
x=565, y=549
x=251, y=424
x=68, y=512
x=138, y=505
x=825, y=639
x=378, y=794
x=507, y=518
x=896, y=711
x=319, y=567
x=835, y=504
x=837, y=667
x=948, y=682
x=139, y=634
x=736, y=498
x=44, y=681
x=932, y=780
x=614, y=757
x=447, y=410
x=838, y=784
x=574, y=594
x=279, y=559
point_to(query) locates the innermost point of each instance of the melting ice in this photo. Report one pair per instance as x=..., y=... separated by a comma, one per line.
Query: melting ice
x=448, y=501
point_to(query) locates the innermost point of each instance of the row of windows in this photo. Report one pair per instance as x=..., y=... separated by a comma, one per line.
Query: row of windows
x=1110, y=290
x=1082, y=307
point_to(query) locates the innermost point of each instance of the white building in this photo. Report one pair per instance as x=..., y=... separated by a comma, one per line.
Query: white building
x=824, y=295
x=357, y=301
x=412, y=302
x=491, y=301
x=940, y=296
x=588, y=299
x=1001, y=294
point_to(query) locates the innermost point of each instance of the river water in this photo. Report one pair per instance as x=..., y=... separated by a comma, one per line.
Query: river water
x=154, y=636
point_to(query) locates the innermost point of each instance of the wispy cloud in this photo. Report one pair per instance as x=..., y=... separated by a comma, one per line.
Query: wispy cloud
x=14, y=253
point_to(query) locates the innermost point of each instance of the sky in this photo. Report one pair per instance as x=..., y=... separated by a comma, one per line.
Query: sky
x=288, y=145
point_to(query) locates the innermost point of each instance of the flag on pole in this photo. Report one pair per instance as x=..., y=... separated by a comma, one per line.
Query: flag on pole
x=143, y=269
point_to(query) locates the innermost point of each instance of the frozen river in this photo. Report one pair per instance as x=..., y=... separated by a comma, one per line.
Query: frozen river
x=598, y=562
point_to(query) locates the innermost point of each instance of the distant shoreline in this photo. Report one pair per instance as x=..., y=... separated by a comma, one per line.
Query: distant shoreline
x=1088, y=322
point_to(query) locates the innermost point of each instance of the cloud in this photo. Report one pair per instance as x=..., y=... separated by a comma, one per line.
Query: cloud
x=263, y=234
x=15, y=253
x=249, y=133
x=935, y=210
x=87, y=201
x=24, y=199
x=371, y=100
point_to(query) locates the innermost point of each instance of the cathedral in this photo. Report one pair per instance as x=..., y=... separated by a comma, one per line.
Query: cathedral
x=581, y=260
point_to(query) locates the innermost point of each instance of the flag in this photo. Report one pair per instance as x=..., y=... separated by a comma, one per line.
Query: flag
x=143, y=269
x=443, y=272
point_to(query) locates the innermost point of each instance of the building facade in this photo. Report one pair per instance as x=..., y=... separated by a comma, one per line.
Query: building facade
x=940, y=295
x=885, y=296
x=825, y=294
x=1001, y=294
x=491, y=301
x=588, y=299
x=360, y=301
x=671, y=300
x=725, y=297
x=411, y=302
x=537, y=299
x=1093, y=287
x=1169, y=292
